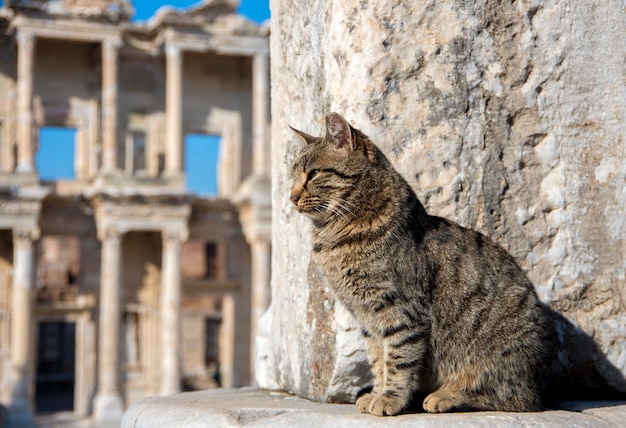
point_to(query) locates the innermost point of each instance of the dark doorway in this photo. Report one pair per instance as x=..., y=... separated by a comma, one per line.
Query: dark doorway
x=55, y=367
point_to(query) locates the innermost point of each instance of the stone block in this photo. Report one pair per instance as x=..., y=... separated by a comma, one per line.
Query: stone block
x=254, y=408
x=507, y=117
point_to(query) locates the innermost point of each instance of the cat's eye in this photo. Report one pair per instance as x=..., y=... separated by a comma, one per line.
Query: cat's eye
x=312, y=174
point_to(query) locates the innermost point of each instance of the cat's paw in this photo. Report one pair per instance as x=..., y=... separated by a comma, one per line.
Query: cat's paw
x=441, y=402
x=386, y=406
x=364, y=401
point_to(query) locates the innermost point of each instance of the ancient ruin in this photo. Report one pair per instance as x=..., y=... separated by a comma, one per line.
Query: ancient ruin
x=119, y=283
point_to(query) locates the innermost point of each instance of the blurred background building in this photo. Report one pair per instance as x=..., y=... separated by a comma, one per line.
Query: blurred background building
x=118, y=281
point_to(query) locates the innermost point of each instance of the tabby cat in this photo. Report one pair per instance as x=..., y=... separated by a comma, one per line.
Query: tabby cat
x=445, y=311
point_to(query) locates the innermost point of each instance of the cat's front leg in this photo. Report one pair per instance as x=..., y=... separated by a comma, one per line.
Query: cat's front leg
x=403, y=358
x=375, y=358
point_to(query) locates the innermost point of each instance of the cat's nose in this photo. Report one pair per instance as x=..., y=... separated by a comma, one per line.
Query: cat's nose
x=294, y=198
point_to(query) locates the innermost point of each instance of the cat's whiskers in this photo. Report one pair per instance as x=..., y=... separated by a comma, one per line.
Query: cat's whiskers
x=341, y=207
x=344, y=206
x=320, y=208
x=335, y=210
x=347, y=202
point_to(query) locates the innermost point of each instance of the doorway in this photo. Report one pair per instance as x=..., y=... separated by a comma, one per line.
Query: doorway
x=56, y=367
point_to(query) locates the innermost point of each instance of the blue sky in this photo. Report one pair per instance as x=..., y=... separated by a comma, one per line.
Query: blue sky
x=55, y=161
x=256, y=10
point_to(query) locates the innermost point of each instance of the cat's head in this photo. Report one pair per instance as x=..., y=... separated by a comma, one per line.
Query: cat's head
x=330, y=170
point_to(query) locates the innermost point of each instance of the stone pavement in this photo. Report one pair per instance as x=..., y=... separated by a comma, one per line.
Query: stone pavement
x=254, y=408
x=69, y=420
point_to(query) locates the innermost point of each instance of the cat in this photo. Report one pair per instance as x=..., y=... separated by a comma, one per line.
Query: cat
x=446, y=312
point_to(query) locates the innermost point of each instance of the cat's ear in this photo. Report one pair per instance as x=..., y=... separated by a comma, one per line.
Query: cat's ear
x=339, y=130
x=309, y=139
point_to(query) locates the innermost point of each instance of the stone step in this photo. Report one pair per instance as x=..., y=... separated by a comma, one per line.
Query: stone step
x=221, y=408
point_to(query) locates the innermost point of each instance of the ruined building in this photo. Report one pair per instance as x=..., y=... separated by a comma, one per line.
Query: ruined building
x=119, y=283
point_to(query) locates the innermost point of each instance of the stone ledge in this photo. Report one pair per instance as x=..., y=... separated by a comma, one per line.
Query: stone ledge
x=254, y=408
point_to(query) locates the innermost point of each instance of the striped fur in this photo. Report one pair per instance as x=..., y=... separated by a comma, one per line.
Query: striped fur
x=445, y=311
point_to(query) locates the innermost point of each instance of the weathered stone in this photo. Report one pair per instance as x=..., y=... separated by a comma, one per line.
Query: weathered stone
x=114, y=10
x=253, y=408
x=507, y=117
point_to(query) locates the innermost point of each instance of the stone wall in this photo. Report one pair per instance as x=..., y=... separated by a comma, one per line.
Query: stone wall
x=507, y=117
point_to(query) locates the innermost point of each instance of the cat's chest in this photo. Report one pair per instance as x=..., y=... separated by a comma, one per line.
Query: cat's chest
x=349, y=269
x=337, y=260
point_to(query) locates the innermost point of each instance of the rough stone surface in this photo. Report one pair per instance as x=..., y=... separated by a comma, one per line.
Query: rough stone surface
x=111, y=9
x=253, y=408
x=507, y=117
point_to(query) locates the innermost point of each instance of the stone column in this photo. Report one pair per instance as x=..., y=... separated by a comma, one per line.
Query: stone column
x=81, y=156
x=21, y=376
x=227, y=342
x=6, y=146
x=170, y=311
x=25, y=72
x=254, y=198
x=488, y=144
x=260, y=113
x=254, y=209
x=108, y=405
x=110, y=50
x=173, y=110
x=261, y=292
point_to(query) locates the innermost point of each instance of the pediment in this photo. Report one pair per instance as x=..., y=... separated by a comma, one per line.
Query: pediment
x=115, y=10
x=212, y=16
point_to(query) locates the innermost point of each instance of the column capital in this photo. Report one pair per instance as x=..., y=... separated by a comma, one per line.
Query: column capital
x=25, y=39
x=262, y=59
x=256, y=223
x=112, y=43
x=177, y=235
x=110, y=233
x=174, y=53
x=253, y=202
x=25, y=236
x=111, y=49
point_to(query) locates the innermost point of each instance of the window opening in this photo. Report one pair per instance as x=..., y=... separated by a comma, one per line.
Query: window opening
x=212, y=342
x=59, y=269
x=135, y=152
x=131, y=345
x=203, y=260
x=55, y=156
x=201, y=163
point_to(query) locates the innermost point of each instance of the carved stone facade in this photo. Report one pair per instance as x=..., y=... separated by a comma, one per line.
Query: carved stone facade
x=146, y=288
